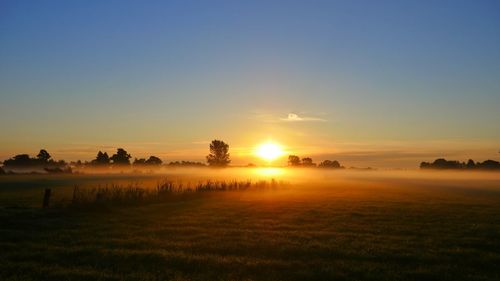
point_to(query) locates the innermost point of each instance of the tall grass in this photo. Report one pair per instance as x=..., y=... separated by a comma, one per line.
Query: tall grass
x=134, y=193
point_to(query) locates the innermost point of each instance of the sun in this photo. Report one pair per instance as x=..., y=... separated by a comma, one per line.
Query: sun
x=269, y=151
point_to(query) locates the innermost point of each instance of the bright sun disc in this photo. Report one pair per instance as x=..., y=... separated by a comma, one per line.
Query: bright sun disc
x=269, y=151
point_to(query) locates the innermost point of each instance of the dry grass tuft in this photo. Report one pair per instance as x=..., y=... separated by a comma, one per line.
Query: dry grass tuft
x=133, y=193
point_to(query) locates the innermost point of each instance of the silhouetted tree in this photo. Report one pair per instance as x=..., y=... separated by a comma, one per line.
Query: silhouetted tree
x=293, y=160
x=2, y=172
x=151, y=161
x=442, y=164
x=43, y=156
x=25, y=162
x=121, y=157
x=470, y=164
x=330, y=164
x=139, y=162
x=20, y=160
x=102, y=159
x=219, y=154
x=425, y=165
x=308, y=162
x=154, y=161
x=489, y=165
x=76, y=164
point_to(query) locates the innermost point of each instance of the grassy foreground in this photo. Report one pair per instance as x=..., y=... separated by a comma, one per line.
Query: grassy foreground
x=341, y=227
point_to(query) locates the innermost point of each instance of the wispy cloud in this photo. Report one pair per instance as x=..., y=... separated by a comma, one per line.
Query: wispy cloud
x=292, y=117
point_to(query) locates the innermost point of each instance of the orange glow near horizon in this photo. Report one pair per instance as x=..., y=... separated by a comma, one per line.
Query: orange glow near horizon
x=270, y=171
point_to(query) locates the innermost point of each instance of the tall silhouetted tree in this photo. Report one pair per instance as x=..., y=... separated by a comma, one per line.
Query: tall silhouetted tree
x=293, y=160
x=471, y=164
x=121, y=157
x=43, y=156
x=219, y=154
x=102, y=159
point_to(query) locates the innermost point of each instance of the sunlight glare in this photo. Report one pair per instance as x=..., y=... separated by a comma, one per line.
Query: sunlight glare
x=269, y=151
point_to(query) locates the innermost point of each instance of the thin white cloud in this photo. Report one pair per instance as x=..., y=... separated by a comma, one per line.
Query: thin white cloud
x=292, y=117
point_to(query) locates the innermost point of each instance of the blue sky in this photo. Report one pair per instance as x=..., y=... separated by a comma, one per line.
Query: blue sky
x=164, y=77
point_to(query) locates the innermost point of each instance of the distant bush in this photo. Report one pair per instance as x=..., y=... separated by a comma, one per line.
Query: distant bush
x=331, y=164
x=186, y=164
x=58, y=170
x=295, y=161
x=151, y=161
x=308, y=162
x=443, y=164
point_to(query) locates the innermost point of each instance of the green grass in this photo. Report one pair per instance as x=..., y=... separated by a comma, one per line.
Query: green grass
x=340, y=226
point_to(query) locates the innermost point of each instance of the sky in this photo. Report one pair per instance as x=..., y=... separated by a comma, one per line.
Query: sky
x=369, y=83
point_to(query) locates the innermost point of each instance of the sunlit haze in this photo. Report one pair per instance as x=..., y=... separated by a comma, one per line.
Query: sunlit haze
x=250, y=140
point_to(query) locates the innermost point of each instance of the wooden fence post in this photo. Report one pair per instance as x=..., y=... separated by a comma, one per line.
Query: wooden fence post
x=46, y=197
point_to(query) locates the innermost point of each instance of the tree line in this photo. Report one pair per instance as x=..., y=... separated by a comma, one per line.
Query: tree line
x=443, y=164
x=296, y=161
x=43, y=160
x=218, y=157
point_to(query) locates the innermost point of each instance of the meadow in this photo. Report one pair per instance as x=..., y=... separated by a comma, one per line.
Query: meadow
x=324, y=225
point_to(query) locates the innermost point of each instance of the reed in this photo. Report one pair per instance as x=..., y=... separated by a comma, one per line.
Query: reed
x=134, y=193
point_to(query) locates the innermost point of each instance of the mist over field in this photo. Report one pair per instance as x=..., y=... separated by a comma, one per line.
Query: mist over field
x=298, y=180
x=372, y=225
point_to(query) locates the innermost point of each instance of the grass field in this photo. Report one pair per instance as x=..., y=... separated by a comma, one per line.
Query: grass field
x=324, y=226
